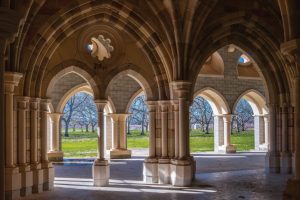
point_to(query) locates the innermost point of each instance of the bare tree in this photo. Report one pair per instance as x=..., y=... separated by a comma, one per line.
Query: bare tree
x=244, y=115
x=201, y=113
x=139, y=114
x=72, y=106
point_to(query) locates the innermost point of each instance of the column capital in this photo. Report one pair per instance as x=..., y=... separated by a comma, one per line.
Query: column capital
x=164, y=105
x=34, y=103
x=11, y=80
x=55, y=116
x=227, y=118
x=291, y=51
x=119, y=116
x=101, y=103
x=152, y=105
x=181, y=88
x=45, y=104
x=22, y=102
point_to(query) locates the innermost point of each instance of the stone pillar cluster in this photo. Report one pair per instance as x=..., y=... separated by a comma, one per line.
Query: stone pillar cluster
x=28, y=169
x=169, y=159
x=119, y=139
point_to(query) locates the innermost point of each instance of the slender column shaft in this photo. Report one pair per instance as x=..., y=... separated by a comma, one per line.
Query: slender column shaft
x=9, y=125
x=227, y=129
x=176, y=129
x=122, y=130
x=44, y=130
x=34, y=131
x=100, y=106
x=11, y=79
x=22, y=110
x=297, y=127
x=2, y=116
x=116, y=136
x=284, y=130
x=164, y=130
x=272, y=125
x=267, y=124
x=183, y=128
x=55, y=121
x=152, y=136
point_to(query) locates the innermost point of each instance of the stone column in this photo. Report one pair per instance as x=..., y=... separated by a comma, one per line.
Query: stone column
x=266, y=131
x=291, y=49
x=10, y=20
x=164, y=161
x=258, y=132
x=272, y=157
x=218, y=132
x=48, y=170
x=150, y=166
x=36, y=167
x=285, y=155
x=228, y=147
x=26, y=173
x=12, y=175
x=119, y=149
x=176, y=129
x=182, y=169
x=101, y=166
x=55, y=154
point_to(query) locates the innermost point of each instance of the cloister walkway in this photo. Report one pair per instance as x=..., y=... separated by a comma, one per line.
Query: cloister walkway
x=218, y=176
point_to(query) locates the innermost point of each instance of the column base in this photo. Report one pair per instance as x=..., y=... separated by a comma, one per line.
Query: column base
x=48, y=176
x=56, y=156
x=26, y=180
x=150, y=170
x=285, y=163
x=273, y=162
x=181, y=172
x=119, y=153
x=262, y=147
x=164, y=171
x=101, y=173
x=37, y=186
x=12, y=183
x=292, y=190
x=227, y=149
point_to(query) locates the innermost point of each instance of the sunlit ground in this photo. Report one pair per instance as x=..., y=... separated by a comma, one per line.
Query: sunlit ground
x=84, y=144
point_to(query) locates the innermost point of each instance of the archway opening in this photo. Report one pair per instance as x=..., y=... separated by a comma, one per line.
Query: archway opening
x=201, y=125
x=79, y=124
x=138, y=125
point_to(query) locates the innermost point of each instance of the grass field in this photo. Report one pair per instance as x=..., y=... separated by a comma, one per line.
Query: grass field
x=82, y=144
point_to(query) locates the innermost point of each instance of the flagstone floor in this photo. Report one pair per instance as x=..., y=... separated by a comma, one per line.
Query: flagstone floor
x=218, y=177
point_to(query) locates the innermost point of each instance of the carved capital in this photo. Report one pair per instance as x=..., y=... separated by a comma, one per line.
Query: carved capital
x=291, y=52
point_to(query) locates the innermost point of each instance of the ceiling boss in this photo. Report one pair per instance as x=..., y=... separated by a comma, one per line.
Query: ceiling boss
x=100, y=47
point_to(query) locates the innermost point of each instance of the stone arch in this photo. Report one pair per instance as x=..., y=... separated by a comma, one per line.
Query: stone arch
x=215, y=99
x=58, y=74
x=213, y=66
x=256, y=100
x=260, y=44
x=139, y=78
x=134, y=96
x=112, y=13
x=79, y=88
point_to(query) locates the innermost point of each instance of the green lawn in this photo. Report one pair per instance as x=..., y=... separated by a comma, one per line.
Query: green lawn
x=82, y=144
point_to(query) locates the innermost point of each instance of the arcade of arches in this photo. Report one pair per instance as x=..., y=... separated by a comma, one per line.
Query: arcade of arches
x=172, y=51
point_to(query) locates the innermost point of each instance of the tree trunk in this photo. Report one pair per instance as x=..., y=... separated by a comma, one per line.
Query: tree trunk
x=86, y=128
x=81, y=128
x=74, y=128
x=93, y=128
x=128, y=127
x=66, y=129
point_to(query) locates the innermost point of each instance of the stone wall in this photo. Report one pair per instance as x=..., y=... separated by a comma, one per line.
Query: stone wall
x=231, y=86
